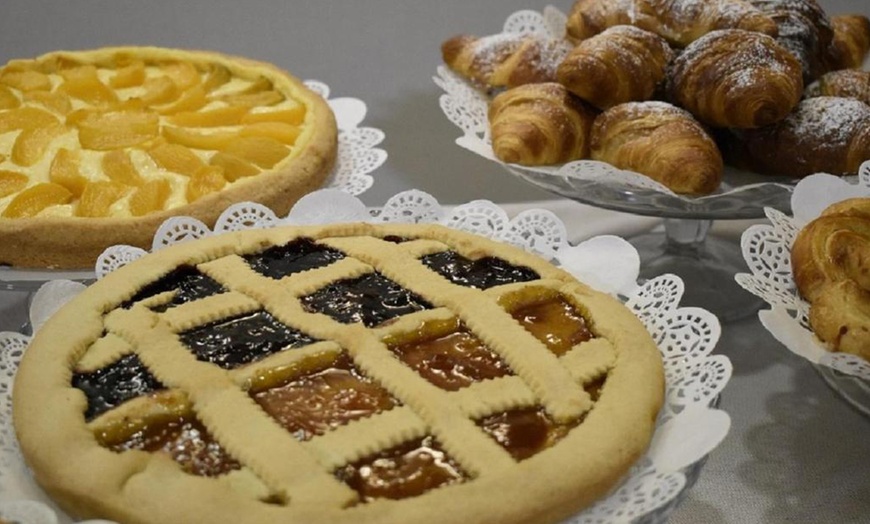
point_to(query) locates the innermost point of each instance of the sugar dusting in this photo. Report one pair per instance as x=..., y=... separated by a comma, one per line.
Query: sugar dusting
x=831, y=121
x=490, y=51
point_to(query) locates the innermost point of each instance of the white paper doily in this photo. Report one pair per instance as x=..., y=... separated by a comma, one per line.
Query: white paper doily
x=688, y=428
x=357, y=156
x=767, y=250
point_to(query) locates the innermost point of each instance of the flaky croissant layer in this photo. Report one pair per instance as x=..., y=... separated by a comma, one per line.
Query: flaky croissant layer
x=660, y=141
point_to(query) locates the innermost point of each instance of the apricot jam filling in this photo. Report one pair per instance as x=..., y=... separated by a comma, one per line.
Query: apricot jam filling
x=451, y=360
x=323, y=399
x=554, y=322
x=524, y=432
x=404, y=471
x=185, y=440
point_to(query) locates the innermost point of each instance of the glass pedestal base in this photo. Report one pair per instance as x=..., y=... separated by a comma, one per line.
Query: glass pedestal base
x=706, y=264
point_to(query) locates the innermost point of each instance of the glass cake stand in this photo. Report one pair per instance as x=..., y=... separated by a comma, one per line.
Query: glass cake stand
x=706, y=264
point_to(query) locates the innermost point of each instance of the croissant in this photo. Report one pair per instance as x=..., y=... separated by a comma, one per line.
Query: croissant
x=735, y=78
x=848, y=83
x=831, y=265
x=851, y=41
x=540, y=124
x=679, y=21
x=804, y=29
x=504, y=60
x=660, y=141
x=622, y=64
x=823, y=134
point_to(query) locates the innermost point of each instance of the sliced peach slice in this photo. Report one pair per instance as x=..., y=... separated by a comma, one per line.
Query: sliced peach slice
x=34, y=199
x=159, y=90
x=27, y=80
x=293, y=116
x=206, y=180
x=233, y=166
x=150, y=197
x=217, y=76
x=184, y=137
x=262, y=98
x=130, y=75
x=260, y=150
x=222, y=116
x=183, y=74
x=176, y=158
x=83, y=83
x=30, y=145
x=280, y=131
x=57, y=102
x=26, y=118
x=191, y=100
x=98, y=197
x=64, y=171
x=119, y=168
x=117, y=129
x=8, y=100
x=11, y=182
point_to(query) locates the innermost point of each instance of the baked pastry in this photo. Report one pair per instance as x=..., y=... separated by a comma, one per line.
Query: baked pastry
x=343, y=373
x=831, y=265
x=539, y=124
x=101, y=146
x=851, y=41
x=681, y=22
x=660, y=141
x=823, y=134
x=734, y=78
x=847, y=83
x=504, y=60
x=621, y=64
x=804, y=29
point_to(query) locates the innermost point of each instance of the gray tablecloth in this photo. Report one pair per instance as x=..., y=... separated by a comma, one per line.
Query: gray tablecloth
x=796, y=452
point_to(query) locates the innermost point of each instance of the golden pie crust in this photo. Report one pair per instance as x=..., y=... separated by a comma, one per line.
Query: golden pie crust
x=197, y=106
x=283, y=479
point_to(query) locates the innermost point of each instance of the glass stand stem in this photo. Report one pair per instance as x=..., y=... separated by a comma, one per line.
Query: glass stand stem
x=706, y=264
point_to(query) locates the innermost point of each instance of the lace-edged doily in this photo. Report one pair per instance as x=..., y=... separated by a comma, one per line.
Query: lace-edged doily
x=767, y=250
x=689, y=427
x=357, y=157
x=466, y=107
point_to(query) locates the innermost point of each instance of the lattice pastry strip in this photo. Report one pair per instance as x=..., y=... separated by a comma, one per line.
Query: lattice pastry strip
x=454, y=296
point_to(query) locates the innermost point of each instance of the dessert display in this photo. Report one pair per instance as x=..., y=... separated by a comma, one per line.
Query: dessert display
x=342, y=373
x=739, y=69
x=99, y=147
x=831, y=264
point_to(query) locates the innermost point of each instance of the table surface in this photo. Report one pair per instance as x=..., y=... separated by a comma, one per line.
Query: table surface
x=795, y=453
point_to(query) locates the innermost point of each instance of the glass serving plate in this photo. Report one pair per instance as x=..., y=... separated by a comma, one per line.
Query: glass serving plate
x=357, y=156
x=688, y=428
x=767, y=251
x=707, y=264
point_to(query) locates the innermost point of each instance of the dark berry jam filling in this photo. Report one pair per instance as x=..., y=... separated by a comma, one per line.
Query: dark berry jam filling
x=115, y=384
x=241, y=340
x=187, y=282
x=482, y=273
x=371, y=299
x=297, y=256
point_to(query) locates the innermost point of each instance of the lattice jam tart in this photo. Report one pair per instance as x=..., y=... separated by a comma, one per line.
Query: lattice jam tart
x=99, y=147
x=343, y=373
